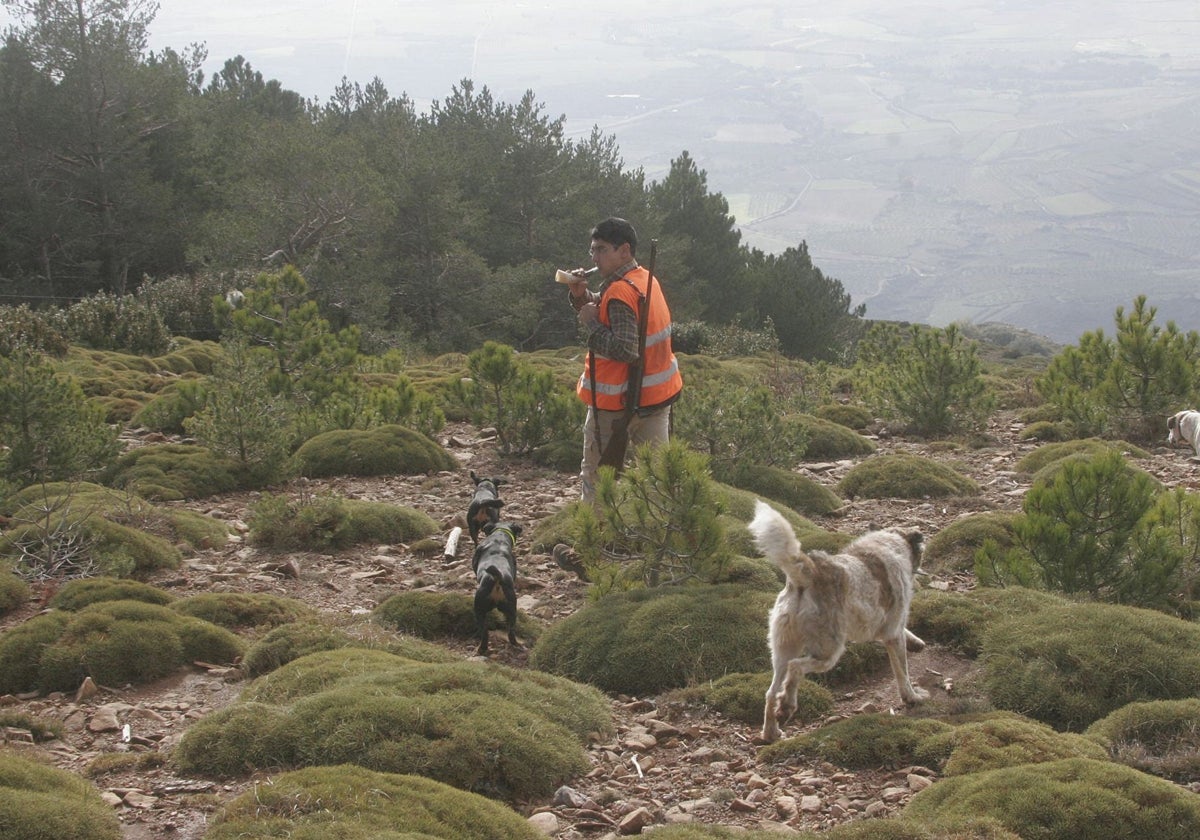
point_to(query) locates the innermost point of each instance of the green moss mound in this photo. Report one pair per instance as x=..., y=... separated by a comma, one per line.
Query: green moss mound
x=244, y=610
x=854, y=417
x=1003, y=741
x=114, y=642
x=1161, y=737
x=384, y=450
x=1069, y=666
x=960, y=620
x=740, y=697
x=830, y=440
x=353, y=803
x=441, y=615
x=479, y=727
x=1073, y=799
x=74, y=595
x=1039, y=458
x=331, y=523
x=797, y=491
x=14, y=591
x=123, y=534
x=651, y=640
x=860, y=742
x=904, y=476
x=953, y=548
x=43, y=803
x=174, y=471
x=289, y=642
x=1047, y=431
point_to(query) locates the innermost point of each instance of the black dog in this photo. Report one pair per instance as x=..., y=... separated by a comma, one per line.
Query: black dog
x=495, y=566
x=485, y=505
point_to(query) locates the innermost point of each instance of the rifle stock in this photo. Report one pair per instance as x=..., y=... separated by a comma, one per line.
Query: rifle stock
x=613, y=452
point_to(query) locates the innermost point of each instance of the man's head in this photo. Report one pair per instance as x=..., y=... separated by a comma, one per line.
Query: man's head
x=614, y=243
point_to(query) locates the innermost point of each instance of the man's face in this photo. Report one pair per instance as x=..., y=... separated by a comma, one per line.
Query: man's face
x=607, y=257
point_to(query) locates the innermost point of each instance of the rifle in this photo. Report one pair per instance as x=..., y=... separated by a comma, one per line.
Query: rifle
x=612, y=454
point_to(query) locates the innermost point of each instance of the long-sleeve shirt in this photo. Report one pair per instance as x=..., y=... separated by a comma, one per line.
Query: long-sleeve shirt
x=619, y=340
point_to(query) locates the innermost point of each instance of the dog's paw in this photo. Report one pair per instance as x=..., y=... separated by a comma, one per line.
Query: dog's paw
x=919, y=695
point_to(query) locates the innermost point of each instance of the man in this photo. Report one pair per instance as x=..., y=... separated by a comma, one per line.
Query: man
x=609, y=318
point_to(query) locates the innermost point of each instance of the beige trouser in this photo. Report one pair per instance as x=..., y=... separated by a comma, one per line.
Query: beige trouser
x=652, y=427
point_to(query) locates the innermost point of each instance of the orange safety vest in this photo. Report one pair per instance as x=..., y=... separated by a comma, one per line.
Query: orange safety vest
x=660, y=375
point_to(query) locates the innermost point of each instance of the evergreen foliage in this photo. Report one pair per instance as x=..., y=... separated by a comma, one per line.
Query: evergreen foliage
x=50, y=430
x=383, y=450
x=657, y=526
x=903, y=476
x=1125, y=386
x=1096, y=529
x=928, y=378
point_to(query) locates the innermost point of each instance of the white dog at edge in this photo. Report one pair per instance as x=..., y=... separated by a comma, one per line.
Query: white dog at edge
x=1184, y=427
x=861, y=594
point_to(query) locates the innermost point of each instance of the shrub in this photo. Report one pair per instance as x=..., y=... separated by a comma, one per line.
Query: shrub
x=384, y=450
x=830, y=440
x=854, y=417
x=656, y=526
x=929, y=378
x=173, y=405
x=1047, y=431
x=440, y=615
x=960, y=621
x=172, y=472
x=904, y=476
x=1083, y=532
x=107, y=322
x=114, y=642
x=860, y=742
x=1073, y=799
x=1157, y=736
x=1124, y=387
x=739, y=697
x=50, y=431
x=329, y=522
x=353, y=803
x=69, y=528
x=37, y=332
x=797, y=491
x=288, y=642
x=13, y=591
x=74, y=595
x=953, y=548
x=185, y=303
x=1002, y=741
x=524, y=404
x=446, y=721
x=1071, y=665
x=1046, y=454
x=242, y=418
x=738, y=426
x=244, y=610
x=44, y=803
x=646, y=641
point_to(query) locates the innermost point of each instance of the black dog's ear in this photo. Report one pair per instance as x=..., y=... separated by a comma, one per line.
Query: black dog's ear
x=474, y=478
x=516, y=529
x=499, y=481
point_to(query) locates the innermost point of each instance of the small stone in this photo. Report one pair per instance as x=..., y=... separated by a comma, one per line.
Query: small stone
x=917, y=782
x=635, y=821
x=545, y=822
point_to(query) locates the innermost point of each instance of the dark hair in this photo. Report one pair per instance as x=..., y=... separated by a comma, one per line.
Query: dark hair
x=616, y=232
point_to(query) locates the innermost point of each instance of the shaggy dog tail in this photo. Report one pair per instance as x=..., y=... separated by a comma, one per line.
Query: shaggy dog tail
x=777, y=541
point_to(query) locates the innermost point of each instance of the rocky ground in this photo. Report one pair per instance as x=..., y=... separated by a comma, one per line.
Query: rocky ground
x=667, y=762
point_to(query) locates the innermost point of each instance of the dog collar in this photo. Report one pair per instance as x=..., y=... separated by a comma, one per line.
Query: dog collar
x=511, y=536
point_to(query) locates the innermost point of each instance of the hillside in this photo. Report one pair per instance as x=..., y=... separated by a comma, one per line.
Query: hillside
x=677, y=761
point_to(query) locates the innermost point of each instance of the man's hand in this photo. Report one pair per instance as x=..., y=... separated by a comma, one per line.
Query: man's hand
x=589, y=314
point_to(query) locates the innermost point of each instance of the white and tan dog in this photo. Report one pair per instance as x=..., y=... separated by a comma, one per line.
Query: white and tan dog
x=858, y=595
x=1184, y=427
